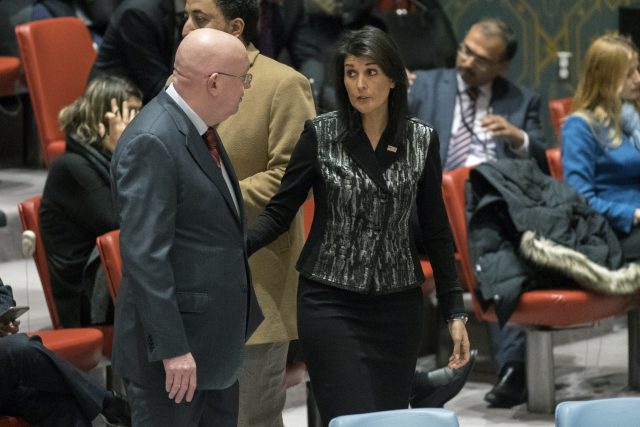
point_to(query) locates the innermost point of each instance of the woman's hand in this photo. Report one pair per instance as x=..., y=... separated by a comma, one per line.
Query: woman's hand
x=117, y=120
x=461, y=346
x=636, y=217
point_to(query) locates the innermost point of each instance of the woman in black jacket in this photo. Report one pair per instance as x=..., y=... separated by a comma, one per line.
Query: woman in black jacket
x=359, y=300
x=76, y=203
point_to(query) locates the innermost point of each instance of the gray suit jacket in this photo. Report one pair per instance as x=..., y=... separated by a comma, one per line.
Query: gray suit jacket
x=186, y=283
x=432, y=98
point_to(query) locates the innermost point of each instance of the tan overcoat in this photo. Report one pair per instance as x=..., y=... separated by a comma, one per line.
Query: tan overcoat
x=259, y=139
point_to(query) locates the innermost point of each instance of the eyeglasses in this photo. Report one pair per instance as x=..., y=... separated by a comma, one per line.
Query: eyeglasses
x=481, y=61
x=246, y=78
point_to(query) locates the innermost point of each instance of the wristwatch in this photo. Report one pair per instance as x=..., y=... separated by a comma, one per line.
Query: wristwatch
x=460, y=316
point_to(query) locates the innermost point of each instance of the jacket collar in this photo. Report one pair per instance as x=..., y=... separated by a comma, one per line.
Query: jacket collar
x=252, y=54
x=99, y=158
x=373, y=163
x=198, y=150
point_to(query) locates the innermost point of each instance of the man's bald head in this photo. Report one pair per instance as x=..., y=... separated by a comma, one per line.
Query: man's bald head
x=201, y=55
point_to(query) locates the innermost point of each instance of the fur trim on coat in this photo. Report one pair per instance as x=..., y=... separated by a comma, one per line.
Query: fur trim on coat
x=547, y=254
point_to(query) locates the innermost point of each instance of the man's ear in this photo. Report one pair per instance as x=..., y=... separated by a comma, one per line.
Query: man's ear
x=212, y=83
x=236, y=28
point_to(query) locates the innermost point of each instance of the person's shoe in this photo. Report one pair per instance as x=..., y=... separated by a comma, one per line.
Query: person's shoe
x=435, y=388
x=117, y=412
x=511, y=389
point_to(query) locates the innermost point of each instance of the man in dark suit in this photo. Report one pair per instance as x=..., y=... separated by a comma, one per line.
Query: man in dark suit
x=506, y=117
x=481, y=116
x=44, y=389
x=186, y=304
x=140, y=42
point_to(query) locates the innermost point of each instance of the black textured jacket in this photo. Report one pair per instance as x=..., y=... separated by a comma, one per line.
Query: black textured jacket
x=507, y=197
x=360, y=238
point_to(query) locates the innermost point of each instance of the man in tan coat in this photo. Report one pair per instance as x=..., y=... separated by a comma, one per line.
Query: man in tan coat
x=259, y=140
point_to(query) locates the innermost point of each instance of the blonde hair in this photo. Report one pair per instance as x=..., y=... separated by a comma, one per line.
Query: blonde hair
x=82, y=117
x=597, y=98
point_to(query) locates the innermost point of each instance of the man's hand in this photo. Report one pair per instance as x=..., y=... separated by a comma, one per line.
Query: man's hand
x=411, y=76
x=461, y=346
x=499, y=127
x=180, y=372
x=9, y=328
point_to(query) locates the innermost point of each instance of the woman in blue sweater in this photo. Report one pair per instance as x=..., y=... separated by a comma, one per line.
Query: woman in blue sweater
x=601, y=139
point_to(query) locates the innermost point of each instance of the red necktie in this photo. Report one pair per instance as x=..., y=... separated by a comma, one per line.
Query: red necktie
x=210, y=138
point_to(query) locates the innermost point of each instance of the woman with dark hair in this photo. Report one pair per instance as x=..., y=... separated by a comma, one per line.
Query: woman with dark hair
x=76, y=203
x=359, y=300
x=601, y=138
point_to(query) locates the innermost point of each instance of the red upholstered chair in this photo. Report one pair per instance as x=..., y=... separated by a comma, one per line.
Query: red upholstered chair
x=9, y=74
x=29, y=216
x=559, y=109
x=554, y=159
x=80, y=346
x=57, y=55
x=542, y=311
x=109, y=249
x=307, y=211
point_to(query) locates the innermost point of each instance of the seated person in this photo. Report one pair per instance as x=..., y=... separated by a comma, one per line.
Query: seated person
x=601, y=139
x=44, y=389
x=76, y=203
x=140, y=43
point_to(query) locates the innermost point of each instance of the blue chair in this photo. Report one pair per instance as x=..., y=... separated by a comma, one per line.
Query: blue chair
x=614, y=412
x=421, y=417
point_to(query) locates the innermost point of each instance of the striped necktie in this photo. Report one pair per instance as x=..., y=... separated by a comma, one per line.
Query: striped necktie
x=460, y=143
x=210, y=138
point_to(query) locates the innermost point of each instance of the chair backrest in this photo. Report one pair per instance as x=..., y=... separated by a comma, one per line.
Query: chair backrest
x=307, y=211
x=453, y=193
x=57, y=55
x=109, y=249
x=614, y=412
x=30, y=217
x=554, y=159
x=559, y=109
x=432, y=417
x=9, y=75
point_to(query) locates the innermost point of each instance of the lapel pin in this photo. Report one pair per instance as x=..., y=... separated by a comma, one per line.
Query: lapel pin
x=392, y=148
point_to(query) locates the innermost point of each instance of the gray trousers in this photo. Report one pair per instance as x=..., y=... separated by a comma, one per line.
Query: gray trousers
x=262, y=388
x=151, y=407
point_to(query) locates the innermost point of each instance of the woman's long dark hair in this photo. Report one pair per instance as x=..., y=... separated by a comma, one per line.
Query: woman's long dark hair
x=372, y=43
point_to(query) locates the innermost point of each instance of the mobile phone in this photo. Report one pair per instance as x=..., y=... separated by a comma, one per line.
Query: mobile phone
x=12, y=314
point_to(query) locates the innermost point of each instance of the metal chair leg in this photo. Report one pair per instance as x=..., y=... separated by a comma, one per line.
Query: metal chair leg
x=540, y=372
x=633, y=324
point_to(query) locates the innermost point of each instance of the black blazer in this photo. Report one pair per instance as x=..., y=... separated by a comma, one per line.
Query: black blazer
x=140, y=43
x=186, y=285
x=432, y=98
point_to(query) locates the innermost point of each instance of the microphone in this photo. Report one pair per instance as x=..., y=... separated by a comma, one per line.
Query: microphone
x=28, y=243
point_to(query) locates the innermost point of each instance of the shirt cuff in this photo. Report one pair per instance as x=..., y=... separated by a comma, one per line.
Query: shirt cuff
x=523, y=150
